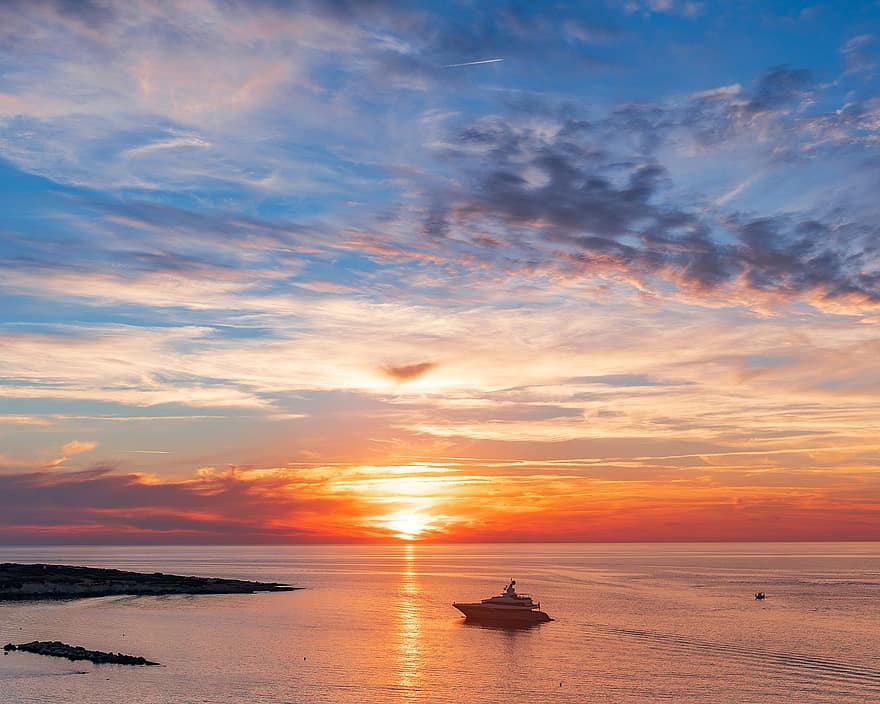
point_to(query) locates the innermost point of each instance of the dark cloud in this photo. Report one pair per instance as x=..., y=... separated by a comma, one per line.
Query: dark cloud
x=792, y=256
x=567, y=182
x=102, y=505
x=408, y=372
x=568, y=195
x=341, y=9
x=780, y=87
x=774, y=106
x=566, y=186
x=91, y=12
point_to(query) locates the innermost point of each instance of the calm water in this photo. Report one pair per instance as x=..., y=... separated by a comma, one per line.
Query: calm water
x=635, y=623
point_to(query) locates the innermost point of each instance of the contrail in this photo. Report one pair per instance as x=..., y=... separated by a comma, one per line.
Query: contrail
x=474, y=63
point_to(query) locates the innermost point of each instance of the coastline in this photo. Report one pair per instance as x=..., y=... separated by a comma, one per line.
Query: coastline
x=28, y=582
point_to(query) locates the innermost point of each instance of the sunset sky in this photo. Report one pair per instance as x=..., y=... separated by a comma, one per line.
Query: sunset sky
x=450, y=271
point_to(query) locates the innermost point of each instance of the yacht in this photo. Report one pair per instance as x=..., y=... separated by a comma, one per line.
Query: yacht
x=508, y=608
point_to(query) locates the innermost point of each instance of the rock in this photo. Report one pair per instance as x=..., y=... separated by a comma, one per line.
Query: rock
x=55, y=648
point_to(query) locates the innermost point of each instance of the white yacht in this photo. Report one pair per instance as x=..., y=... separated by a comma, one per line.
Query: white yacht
x=509, y=608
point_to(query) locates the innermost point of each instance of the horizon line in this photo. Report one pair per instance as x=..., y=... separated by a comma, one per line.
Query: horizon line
x=403, y=542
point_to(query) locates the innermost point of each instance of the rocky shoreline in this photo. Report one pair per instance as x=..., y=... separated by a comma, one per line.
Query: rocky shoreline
x=55, y=648
x=37, y=581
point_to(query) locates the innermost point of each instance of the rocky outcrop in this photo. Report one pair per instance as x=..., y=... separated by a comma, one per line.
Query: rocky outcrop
x=58, y=649
x=26, y=582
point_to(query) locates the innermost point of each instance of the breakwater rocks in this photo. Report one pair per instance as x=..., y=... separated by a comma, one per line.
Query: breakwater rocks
x=25, y=582
x=58, y=649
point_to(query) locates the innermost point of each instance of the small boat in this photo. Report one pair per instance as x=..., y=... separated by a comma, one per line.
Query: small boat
x=508, y=608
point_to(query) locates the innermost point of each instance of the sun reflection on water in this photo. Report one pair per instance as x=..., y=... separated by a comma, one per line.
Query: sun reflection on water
x=410, y=654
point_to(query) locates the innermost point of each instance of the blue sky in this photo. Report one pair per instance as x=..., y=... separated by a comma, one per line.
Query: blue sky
x=297, y=243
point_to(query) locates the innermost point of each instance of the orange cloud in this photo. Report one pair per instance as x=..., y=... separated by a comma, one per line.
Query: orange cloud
x=408, y=372
x=640, y=499
x=76, y=447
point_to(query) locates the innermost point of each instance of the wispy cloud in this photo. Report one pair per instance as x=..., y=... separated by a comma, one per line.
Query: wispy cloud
x=310, y=233
x=76, y=447
x=356, y=502
x=474, y=63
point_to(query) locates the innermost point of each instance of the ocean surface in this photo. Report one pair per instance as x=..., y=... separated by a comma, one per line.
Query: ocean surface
x=634, y=623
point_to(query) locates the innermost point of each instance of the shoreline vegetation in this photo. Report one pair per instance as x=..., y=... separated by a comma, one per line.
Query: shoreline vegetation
x=57, y=649
x=21, y=582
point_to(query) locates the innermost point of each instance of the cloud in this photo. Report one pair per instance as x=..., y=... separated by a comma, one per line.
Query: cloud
x=157, y=91
x=192, y=93
x=589, y=33
x=714, y=495
x=566, y=196
x=780, y=87
x=408, y=372
x=687, y=8
x=860, y=53
x=100, y=504
x=579, y=195
x=564, y=269
x=76, y=447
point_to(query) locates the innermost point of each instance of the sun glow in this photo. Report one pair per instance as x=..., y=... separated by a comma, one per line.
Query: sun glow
x=406, y=525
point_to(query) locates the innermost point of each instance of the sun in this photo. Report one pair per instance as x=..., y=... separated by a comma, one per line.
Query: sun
x=406, y=525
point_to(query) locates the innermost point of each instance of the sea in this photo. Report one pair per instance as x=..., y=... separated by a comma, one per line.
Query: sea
x=633, y=623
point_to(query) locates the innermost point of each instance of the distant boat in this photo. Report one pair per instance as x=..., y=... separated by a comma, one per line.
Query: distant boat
x=760, y=596
x=508, y=608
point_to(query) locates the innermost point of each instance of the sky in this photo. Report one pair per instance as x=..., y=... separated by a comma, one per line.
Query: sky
x=370, y=271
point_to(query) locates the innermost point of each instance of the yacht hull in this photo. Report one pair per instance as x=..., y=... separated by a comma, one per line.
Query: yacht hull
x=501, y=614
